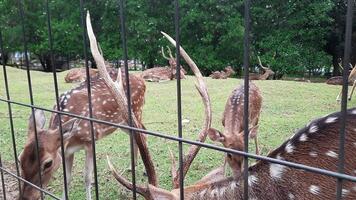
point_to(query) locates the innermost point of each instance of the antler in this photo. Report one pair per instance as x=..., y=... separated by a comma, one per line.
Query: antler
x=260, y=63
x=203, y=91
x=117, y=90
x=164, y=56
x=170, y=52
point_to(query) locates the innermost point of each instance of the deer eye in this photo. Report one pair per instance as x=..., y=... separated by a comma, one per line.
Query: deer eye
x=229, y=155
x=47, y=164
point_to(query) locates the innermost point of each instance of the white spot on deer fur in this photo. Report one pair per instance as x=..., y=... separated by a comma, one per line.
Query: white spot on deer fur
x=71, y=107
x=104, y=102
x=214, y=192
x=222, y=191
x=331, y=154
x=289, y=148
x=252, y=179
x=330, y=120
x=345, y=192
x=75, y=91
x=313, y=154
x=79, y=128
x=65, y=110
x=67, y=96
x=291, y=196
x=276, y=170
x=233, y=185
x=313, y=129
x=98, y=99
x=202, y=193
x=85, y=124
x=303, y=137
x=314, y=189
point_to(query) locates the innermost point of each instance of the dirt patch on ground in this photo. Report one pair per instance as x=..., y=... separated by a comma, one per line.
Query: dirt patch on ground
x=11, y=183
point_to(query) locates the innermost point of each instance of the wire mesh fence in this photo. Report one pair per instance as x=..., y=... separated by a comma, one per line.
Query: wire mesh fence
x=62, y=112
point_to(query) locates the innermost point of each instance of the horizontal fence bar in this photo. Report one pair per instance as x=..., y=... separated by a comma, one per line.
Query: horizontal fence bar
x=29, y=183
x=209, y=146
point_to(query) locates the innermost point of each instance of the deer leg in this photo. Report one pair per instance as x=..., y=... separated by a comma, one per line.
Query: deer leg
x=69, y=165
x=352, y=90
x=338, y=96
x=256, y=143
x=88, y=171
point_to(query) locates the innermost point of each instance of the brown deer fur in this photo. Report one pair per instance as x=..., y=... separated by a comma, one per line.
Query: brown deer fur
x=233, y=134
x=228, y=72
x=315, y=145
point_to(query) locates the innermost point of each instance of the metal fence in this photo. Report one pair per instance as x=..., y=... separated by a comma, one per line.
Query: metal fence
x=340, y=176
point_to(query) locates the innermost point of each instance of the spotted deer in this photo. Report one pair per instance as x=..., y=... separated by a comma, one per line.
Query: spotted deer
x=79, y=74
x=233, y=122
x=108, y=104
x=315, y=145
x=161, y=74
x=228, y=72
x=268, y=72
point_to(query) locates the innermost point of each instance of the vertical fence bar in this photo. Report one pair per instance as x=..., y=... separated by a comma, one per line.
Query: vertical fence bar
x=50, y=43
x=128, y=94
x=345, y=74
x=13, y=138
x=246, y=60
x=85, y=49
x=2, y=179
x=179, y=98
x=22, y=18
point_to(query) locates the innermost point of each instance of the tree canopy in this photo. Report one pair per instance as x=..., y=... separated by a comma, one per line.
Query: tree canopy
x=292, y=37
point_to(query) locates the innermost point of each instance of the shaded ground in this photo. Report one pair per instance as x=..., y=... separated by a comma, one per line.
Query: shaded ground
x=11, y=184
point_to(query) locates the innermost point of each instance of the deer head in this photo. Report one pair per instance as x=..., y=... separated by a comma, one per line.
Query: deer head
x=48, y=150
x=268, y=72
x=233, y=135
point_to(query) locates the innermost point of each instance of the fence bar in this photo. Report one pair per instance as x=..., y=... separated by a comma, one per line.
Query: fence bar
x=246, y=92
x=179, y=98
x=13, y=138
x=50, y=43
x=2, y=179
x=22, y=16
x=205, y=145
x=85, y=51
x=29, y=183
x=345, y=74
x=128, y=94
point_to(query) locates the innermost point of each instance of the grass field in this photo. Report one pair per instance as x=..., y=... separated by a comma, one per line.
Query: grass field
x=287, y=106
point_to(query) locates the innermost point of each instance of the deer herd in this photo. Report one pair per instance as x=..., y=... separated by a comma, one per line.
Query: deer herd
x=315, y=145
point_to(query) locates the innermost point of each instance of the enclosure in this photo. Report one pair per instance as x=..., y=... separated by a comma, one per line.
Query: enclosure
x=173, y=112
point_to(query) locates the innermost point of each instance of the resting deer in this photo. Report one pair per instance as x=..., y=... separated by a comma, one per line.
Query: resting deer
x=79, y=74
x=233, y=117
x=108, y=103
x=352, y=80
x=268, y=72
x=161, y=74
x=315, y=145
x=228, y=71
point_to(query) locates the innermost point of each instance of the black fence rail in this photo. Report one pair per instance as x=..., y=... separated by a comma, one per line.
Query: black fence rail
x=340, y=175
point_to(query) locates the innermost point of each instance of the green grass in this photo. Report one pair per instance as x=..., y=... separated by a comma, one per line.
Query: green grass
x=287, y=106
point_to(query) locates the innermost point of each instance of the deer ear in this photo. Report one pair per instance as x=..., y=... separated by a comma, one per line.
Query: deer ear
x=253, y=132
x=68, y=127
x=40, y=122
x=216, y=135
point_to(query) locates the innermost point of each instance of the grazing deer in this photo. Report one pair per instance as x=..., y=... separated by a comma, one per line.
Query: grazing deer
x=268, y=72
x=108, y=104
x=228, y=72
x=352, y=80
x=315, y=145
x=233, y=135
x=161, y=74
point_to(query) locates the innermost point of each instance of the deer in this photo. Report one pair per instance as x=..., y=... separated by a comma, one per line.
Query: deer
x=228, y=71
x=351, y=80
x=162, y=74
x=108, y=103
x=315, y=145
x=268, y=72
x=79, y=74
x=233, y=121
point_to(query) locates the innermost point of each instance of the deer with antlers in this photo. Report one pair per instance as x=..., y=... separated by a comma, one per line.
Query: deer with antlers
x=108, y=103
x=162, y=74
x=233, y=134
x=228, y=72
x=315, y=145
x=268, y=72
